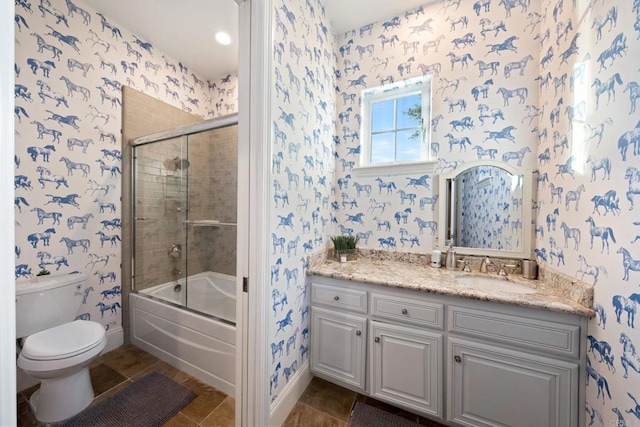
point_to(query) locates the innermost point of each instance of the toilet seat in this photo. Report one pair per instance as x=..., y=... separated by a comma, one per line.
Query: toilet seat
x=68, y=346
x=63, y=341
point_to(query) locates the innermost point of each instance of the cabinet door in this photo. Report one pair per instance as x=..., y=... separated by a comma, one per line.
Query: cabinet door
x=406, y=367
x=338, y=346
x=493, y=386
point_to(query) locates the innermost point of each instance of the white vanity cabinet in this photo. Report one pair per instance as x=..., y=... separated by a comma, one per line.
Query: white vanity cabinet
x=515, y=370
x=339, y=341
x=339, y=334
x=494, y=386
x=492, y=364
x=406, y=367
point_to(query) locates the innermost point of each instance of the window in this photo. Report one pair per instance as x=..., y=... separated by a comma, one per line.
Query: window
x=396, y=124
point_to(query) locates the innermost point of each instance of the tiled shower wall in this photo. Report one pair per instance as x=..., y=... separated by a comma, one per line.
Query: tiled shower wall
x=223, y=198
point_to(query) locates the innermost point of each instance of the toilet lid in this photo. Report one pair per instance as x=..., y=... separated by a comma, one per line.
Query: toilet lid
x=63, y=341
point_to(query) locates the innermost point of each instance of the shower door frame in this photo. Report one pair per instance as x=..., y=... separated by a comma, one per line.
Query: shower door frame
x=159, y=137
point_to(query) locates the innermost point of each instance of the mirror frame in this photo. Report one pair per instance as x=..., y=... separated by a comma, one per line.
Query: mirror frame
x=527, y=214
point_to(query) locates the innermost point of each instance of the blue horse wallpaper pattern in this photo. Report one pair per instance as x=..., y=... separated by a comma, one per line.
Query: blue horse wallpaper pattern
x=70, y=65
x=301, y=174
x=551, y=86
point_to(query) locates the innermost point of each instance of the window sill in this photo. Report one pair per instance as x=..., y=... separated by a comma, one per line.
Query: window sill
x=408, y=168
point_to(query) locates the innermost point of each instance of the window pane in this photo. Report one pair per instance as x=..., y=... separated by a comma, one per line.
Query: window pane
x=405, y=105
x=382, y=147
x=408, y=145
x=382, y=116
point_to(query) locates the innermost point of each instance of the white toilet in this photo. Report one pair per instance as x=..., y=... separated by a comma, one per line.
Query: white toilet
x=57, y=349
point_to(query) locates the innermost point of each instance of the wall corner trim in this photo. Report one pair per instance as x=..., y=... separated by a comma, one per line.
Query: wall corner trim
x=290, y=395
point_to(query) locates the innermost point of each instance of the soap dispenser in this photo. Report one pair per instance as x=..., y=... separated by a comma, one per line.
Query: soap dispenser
x=450, y=261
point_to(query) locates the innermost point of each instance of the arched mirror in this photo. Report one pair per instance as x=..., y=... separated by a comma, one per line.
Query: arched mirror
x=486, y=209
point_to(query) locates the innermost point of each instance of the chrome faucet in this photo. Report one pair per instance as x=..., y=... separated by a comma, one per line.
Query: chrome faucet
x=465, y=265
x=175, y=251
x=484, y=265
x=503, y=271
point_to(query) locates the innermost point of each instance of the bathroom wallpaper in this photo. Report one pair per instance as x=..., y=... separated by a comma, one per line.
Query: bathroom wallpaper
x=302, y=167
x=588, y=222
x=70, y=65
x=484, y=63
x=575, y=123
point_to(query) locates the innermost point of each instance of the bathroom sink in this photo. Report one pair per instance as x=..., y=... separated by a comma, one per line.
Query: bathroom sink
x=493, y=284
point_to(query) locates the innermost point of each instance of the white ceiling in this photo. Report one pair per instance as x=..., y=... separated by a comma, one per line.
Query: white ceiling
x=184, y=29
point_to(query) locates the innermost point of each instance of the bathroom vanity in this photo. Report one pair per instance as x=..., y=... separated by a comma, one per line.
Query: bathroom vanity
x=449, y=347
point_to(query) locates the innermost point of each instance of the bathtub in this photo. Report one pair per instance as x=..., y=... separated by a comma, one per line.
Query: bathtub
x=199, y=339
x=209, y=293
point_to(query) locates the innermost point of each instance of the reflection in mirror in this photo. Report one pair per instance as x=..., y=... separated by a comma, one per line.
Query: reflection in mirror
x=486, y=209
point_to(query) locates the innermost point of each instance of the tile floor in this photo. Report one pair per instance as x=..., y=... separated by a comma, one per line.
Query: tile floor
x=114, y=370
x=323, y=404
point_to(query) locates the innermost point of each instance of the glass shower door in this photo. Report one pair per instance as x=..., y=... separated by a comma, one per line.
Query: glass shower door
x=160, y=210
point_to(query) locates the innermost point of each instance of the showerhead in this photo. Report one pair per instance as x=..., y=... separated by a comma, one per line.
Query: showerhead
x=176, y=163
x=182, y=163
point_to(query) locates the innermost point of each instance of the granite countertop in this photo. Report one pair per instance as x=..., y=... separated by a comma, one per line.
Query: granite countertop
x=556, y=294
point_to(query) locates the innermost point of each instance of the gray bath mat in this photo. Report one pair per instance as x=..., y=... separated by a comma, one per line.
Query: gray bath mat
x=368, y=416
x=148, y=402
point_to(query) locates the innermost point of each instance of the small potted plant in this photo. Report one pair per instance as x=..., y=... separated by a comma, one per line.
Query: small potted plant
x=344, y=247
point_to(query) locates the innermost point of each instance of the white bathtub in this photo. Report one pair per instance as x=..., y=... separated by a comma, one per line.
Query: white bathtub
x=210, y=293
x=203, y=345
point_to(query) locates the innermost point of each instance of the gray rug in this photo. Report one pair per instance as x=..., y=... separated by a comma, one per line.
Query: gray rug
x=148, y=402
x=368, y=416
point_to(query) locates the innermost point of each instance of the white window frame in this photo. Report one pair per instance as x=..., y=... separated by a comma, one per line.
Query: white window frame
x=421, y=85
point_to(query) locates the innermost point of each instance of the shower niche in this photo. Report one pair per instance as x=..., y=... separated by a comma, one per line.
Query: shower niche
x=184, y=210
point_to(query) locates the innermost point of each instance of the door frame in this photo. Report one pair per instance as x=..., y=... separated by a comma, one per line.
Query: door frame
x=8, y=412
x=254, y=132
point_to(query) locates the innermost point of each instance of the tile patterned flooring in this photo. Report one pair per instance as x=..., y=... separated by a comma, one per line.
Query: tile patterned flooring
x=323, y=404
x=115, y=370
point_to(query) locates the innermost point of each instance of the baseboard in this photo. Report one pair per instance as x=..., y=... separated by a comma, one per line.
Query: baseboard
x=115, y=338
x=290, y=395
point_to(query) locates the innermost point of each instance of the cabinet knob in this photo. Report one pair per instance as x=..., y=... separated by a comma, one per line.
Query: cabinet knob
x=458, y=359
x=358, y=333
x=377, y=339
x=405, y=311
x=336, y=298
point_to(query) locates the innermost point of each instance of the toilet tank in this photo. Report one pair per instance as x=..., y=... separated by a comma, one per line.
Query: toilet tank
x=47, y=301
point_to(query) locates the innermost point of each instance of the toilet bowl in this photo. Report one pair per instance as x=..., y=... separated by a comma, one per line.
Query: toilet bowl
x=60, y=357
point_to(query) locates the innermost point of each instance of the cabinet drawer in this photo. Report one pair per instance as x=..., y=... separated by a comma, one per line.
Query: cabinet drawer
x=540, y=335
x=407, y=310
x=336, y=297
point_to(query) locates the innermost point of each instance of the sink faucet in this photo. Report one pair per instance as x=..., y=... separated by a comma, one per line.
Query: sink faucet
x=503, y=271
x=484, y=265
x=465, y=265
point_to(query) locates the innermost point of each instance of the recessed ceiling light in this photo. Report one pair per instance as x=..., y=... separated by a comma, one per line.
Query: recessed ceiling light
x=223, y=38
